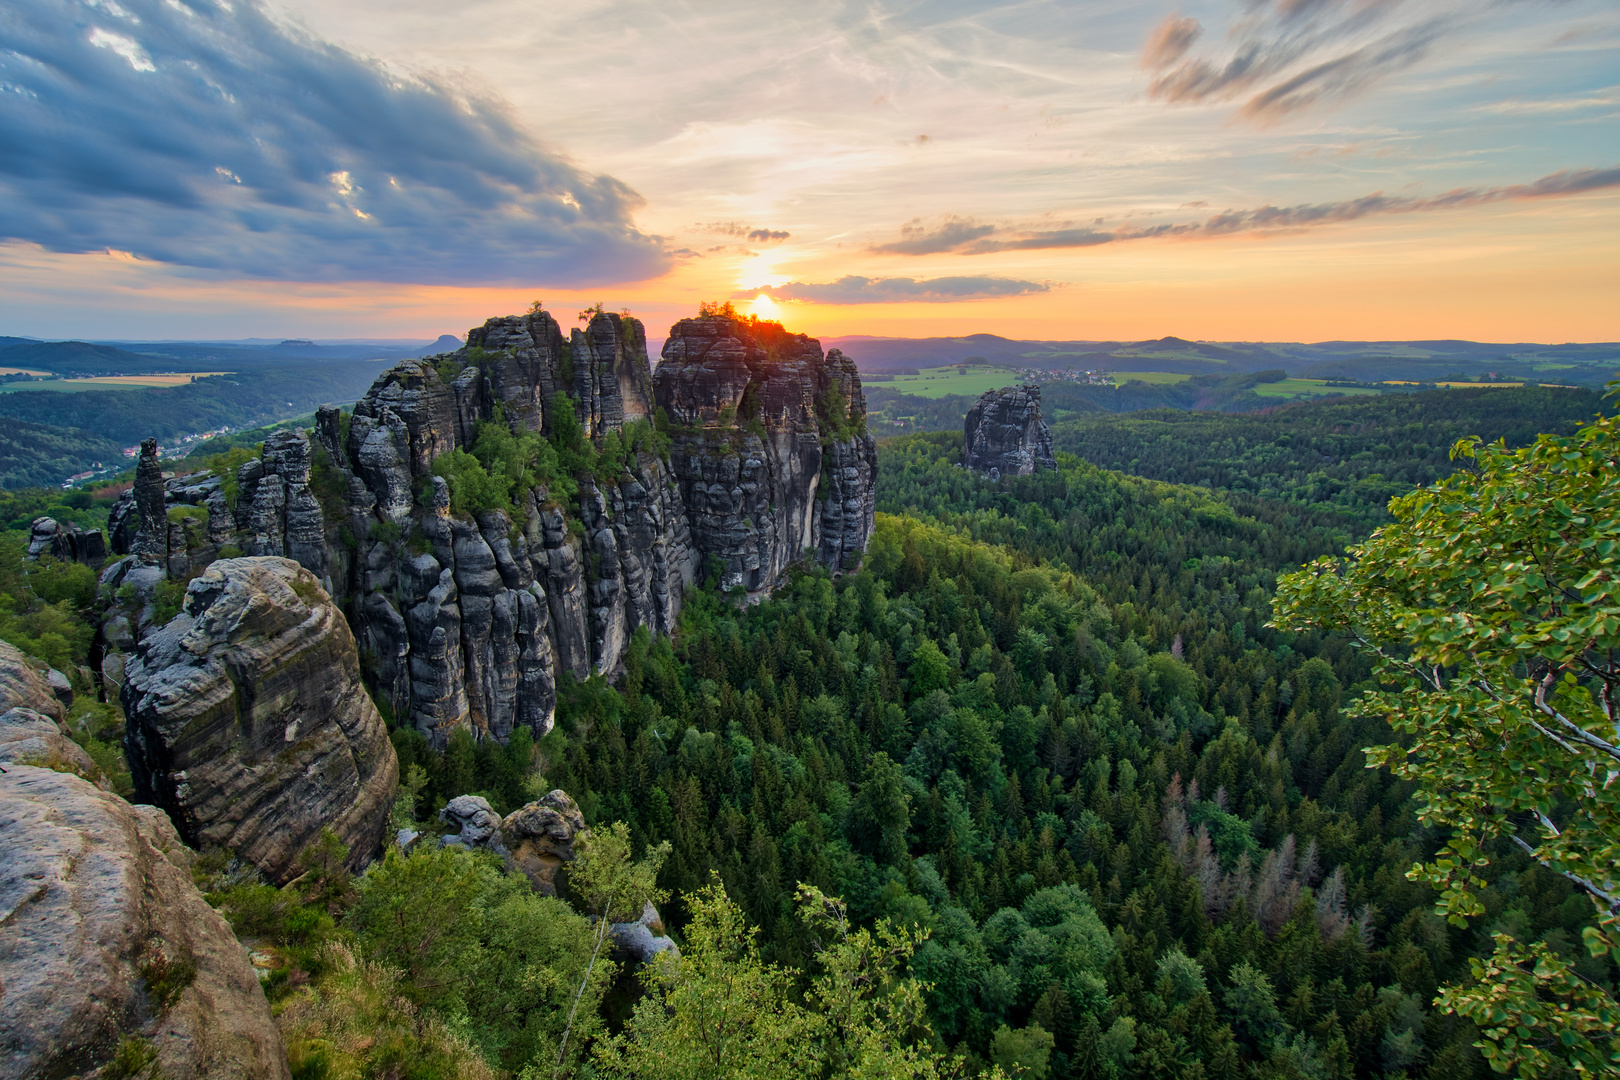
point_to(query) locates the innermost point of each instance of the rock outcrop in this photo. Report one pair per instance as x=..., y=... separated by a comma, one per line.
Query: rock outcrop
x=466, y=620
x=539, y=838
x=1004, y=434
x=248, y=722
x=477, y=825
x=770, y=447
x=25, y=686
x=31, y=738
x=107, y=948
x=66, y=542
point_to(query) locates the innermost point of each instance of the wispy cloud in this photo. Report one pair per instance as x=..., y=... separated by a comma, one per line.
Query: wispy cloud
x=1286, y=56
x=207, y=134
x=862, y=290
x=988, y=239
x=1539, y=106
x=1170, y=41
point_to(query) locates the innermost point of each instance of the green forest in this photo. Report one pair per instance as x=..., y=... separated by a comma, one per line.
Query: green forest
x=1040, y=791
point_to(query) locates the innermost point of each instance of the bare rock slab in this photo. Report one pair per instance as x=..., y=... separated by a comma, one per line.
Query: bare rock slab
x=104, y=938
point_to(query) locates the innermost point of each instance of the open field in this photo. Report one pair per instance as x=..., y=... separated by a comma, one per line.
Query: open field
x=1292, y=388
x=111, y=382
x=1288, y=388
x=23, y=371
x=1157, y=378
x=941, y=381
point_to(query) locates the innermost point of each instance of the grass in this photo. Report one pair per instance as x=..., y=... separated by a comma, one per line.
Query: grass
x=1157, y=378
x=943, y=381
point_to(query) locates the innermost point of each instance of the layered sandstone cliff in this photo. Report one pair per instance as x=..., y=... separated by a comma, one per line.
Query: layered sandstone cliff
x=1004, y=434
x=770, y=447
x=468, y=619
x=248, y=723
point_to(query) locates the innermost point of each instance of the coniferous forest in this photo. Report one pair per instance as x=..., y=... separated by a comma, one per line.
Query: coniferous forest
x=1039, y=778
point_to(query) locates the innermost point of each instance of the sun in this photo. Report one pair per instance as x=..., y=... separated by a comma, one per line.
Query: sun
x=766, y=308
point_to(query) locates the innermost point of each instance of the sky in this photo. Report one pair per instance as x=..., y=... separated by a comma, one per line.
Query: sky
x=1297, y=170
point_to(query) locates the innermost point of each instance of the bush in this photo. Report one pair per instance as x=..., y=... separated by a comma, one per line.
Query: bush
x=503, y=468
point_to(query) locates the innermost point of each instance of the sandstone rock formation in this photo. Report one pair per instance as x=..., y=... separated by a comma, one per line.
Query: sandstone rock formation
x=539, y=838
x=31, y=738
x=248, y=722
x=640, y=941
x=31, y=715
x=466, y=620
x=66, y=542
x=476, y=823
x=105, y=943
x=771, y=449
x=1004, y=434
x=23, y=685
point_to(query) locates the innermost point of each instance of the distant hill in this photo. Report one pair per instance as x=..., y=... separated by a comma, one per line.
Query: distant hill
x=80, y=358
x=1360, y=361
x=4, y=341
x=445, y=343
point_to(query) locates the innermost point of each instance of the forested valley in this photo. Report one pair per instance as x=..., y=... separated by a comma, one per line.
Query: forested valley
x=1077, y=798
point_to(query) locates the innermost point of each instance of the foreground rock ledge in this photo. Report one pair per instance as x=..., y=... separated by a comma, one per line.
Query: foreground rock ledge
x=248, y=723
x=104, y=938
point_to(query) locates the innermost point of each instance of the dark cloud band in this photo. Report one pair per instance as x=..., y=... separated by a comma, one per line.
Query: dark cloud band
x=209, y=135
x=860, y=290
x=953, y=236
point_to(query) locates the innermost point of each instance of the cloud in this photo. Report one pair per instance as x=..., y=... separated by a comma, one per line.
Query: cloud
x=1286, y=56
x=1284, y=218
x=765, y=236
x=917, y=240
x=861, y=290
x=1170, y=41
x=206, y=134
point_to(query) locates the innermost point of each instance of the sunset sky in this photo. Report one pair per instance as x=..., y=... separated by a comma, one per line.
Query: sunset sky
x=1230, y=169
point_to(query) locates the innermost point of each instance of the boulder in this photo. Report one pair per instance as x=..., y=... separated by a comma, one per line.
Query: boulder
x=248, y=722
x=23, y=685
x=31, y=738
x=1004, y=434
x=477, y=824
x=107, y=946
x=540, y=838
x=639, y=942
x=32, y=728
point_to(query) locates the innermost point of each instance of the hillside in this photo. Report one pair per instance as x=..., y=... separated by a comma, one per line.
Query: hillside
x=1352, y=455
x=39, y=455
x=64, y=427
x=1362, y=361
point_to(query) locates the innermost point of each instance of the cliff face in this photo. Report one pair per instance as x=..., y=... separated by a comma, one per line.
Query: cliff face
x=1004, y=434
x=770, y=447
x=467, y=619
